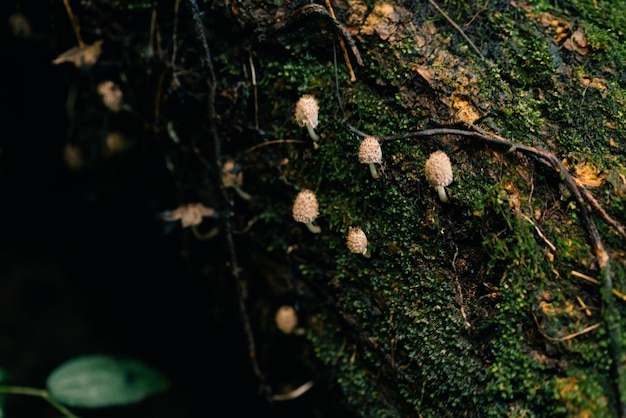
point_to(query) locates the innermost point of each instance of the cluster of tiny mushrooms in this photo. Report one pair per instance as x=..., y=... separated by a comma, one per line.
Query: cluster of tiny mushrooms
x=305, y=209
x=438, y=171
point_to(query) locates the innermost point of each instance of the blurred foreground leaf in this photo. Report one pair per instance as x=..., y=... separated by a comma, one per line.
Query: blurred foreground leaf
x=98, y=381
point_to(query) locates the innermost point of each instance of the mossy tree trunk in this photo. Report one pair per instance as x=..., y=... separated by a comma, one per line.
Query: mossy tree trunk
x=507, y=300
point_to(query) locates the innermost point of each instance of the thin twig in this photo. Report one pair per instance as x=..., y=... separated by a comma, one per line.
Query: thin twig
x=254, y=91
x=594, y=203
x=151, y=40
x=552, y=247
x=74, y=22
x=337, y=91
x=342, y=44
x=457, y=27
x=596, y=282
x=42, y=393
x=461, y=304
x=175, y=36
x=583, y=305
x=303, y=14
x=273, y=142
x=568, y=336
x=228, y=230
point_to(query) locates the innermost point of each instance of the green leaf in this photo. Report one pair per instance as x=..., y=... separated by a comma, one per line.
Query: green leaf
x=97, y=381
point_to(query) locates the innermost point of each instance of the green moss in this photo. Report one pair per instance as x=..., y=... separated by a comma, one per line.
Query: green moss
x=486, y=339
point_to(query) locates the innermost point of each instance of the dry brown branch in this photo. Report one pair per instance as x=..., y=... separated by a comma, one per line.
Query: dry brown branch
x=583, y=305
x=596, y=282
x=568, y=336
x=196, y=17
x=74, y=22
x=594, y=203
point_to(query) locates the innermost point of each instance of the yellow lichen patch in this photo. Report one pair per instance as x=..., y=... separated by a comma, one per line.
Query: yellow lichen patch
x=593, y=82
x=559, y=28
x=578, y=403
x=357, y=11
x=389, y=22
x=589, y=175
x=465, y=111
x=567, y=386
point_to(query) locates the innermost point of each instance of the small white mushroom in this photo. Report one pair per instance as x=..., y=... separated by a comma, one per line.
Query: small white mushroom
x=370, y=153
x=438, y=170
x=111, y=95
x=305, y=209
x=306, y=114
x=233, y=177
x=286, y=319
x=356, y=241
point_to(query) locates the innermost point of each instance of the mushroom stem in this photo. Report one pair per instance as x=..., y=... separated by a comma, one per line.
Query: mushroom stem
x=373, y=170
x=367, y=254
x=242, y=193
x=442, y=193
x=315, y=137
x=313, y=228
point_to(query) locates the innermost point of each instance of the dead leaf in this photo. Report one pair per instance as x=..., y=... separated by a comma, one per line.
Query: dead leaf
x=589, y=175
x=357, y=11
x=465, y=111
x=426, y=73
x=597, y=83
x=577, y=43
x=390, y=22
x=382, y=20
x=85, y=56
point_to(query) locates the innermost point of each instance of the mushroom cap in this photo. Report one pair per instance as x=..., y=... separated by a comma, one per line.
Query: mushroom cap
x=190, y=214
x=356, y=240
x=111, y=95
x=370, y=151
x=286, y=319
x=231, y=176
x=438, y=169
x=307, y=111
x=305, y=207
